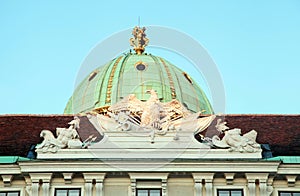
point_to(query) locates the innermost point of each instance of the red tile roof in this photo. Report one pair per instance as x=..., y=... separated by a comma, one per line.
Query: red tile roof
x=19, y=132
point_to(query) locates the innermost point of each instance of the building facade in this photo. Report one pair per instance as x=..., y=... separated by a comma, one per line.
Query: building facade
x=140, y=126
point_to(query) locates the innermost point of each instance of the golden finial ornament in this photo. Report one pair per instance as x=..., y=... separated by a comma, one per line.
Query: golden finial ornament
x=139, y=40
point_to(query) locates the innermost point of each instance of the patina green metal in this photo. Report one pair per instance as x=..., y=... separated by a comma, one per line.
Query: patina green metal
x=134, y=74
x=286, y=159
x=12, y=159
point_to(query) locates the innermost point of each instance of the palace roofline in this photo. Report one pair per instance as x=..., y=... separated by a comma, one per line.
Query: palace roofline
x=18, y=132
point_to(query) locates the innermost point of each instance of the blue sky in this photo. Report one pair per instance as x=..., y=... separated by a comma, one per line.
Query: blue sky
x=255, y=45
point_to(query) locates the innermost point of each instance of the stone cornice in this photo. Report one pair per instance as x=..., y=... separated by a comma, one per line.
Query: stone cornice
x=148, y=175
x=155, y=166
x=289, y=169
x=10, y=169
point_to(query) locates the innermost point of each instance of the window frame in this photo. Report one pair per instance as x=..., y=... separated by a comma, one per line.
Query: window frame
x=5, y=190
x=68, y=189
x=244, y=189
x=230, y=189
x=54, y=188
x=137, y=189
x=291, y=192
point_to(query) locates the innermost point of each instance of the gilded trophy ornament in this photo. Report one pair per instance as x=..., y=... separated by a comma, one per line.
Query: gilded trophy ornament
x=139, y=40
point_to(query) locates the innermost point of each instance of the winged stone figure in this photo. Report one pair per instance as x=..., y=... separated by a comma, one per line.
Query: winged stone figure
x=175, y=109
x=129, y=103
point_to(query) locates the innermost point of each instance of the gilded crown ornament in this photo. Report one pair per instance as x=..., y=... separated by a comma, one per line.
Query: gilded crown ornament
x=139, y=40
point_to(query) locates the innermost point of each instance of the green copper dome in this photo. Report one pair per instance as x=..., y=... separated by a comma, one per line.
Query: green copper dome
x=135, y=74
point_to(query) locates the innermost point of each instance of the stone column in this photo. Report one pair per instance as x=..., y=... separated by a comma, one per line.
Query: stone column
x=270, y=185
x=89, y=178
x=198, y=184
x=164, y=187
x=35, y=188
x=252, y=187
x=36, y=178
x=46, y=188
x=261, y=178
x=99, y=188
x=263, y=186
x=28, y=188
x=133, y=186
x=208, y=187
x=88, y=188
x=208, y=183
x=198, y=188
x=251, y=178
x=99, y=178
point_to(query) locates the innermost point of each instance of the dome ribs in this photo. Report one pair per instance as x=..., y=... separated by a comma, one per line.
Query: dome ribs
x=170, y=79
x=110, y=80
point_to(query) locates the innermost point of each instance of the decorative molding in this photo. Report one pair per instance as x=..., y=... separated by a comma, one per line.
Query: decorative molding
x=263, y=187
x=251, y=187
x=207, y=178
x=251, y=178
x=28, y=187
x=35, y=188
x=46, y=188
x=164, y=186
x=285, y=169
x=229, y=178
x=88, y=188
x=262, y=178
x=7, y=179
x=68, y=177
x=257, y=176
x=99, y=188
x=291, y=180
x=208, y=186
x=44, y=177
x=9, y=169
x=149, y=176
x=198, y=183
x=202, y=166
x=198, y=188
x=198, y=150
x=98, y=178
x=133, y=186
x=36, y=178
x=270, y=185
